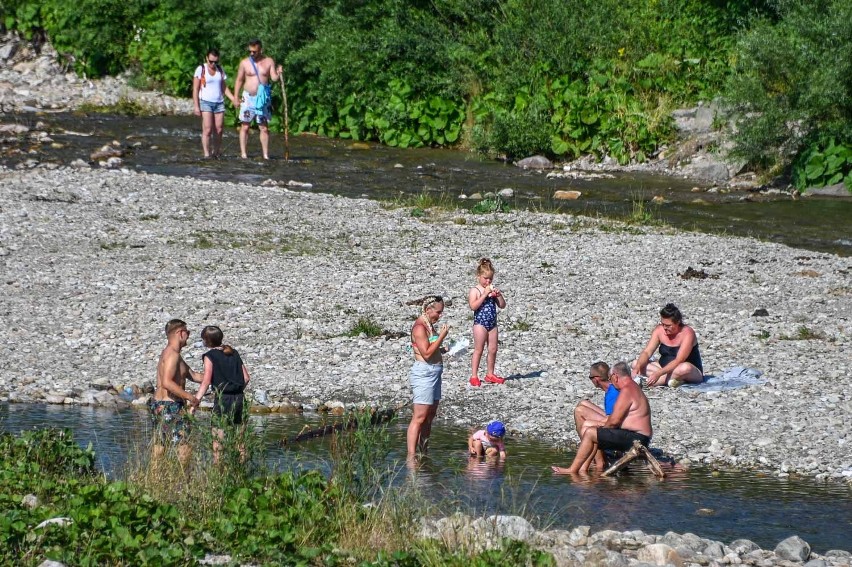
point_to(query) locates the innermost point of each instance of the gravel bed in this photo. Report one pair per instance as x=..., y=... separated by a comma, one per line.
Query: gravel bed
x=94, y=262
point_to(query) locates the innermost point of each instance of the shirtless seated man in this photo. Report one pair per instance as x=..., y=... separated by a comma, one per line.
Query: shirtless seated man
x=587, y=414
x=168, y=404
x=630, y=421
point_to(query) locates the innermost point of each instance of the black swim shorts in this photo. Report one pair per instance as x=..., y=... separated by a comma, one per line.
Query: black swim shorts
x=229, y=407
x=619, y=439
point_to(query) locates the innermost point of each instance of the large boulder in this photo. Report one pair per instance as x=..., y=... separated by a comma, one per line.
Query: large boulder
x=793, y=548
x=535, y=162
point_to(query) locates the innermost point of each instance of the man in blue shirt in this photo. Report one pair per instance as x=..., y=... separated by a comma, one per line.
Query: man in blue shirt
x=587, y=414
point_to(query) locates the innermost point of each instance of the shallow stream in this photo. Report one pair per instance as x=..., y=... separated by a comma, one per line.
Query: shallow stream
x=170, y=145
x=719, y=505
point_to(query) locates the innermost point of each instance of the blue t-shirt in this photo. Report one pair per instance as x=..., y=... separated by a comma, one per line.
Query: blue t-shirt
x=609, y=399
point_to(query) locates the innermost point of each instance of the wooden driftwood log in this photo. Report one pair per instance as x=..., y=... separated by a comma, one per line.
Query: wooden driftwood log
x=637, y=451
x=376, y=417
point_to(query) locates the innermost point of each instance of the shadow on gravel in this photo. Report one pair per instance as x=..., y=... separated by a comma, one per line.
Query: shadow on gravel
x=536, y=374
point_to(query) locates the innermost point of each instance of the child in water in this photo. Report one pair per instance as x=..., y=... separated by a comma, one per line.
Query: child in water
x=489, y=441
x=484, y=299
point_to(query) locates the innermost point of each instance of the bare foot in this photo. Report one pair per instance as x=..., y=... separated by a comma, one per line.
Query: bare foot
x=561, y=470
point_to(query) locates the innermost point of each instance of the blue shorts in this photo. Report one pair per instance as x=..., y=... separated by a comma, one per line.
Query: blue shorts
x=214, y=107
x=426, y=382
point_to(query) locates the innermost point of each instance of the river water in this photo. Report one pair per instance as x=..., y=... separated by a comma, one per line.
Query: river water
x=170, y=145
x=720, y=505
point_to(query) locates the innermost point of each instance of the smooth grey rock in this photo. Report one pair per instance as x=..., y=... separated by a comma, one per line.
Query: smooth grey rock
x=51, y=563
x=511, y=527
x=743, y=546
x=793, y=548
x=836, y=190
x=535, y=162
x=659, y=554
x=714, y=550
x=598, y=556
x=816, y=563
x=506, y=193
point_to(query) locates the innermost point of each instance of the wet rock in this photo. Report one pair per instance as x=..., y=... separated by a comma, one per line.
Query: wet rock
x=13, y=129
x=106, y=151
x=760, y=313
x=793, y=548
x=79, y=164
x=535, y=162
x=570, y=195
x=836, y=190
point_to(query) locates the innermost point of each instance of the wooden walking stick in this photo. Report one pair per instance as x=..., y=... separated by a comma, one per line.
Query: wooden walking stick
x=286, y=118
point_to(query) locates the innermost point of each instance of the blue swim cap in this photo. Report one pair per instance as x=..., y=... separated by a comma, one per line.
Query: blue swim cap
x=496, y=428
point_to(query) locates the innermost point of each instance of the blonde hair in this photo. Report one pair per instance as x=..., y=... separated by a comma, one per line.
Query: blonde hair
x=430, y=300
x=484, y=267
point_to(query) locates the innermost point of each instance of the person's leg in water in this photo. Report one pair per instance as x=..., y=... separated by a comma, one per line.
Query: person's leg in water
x=480, y=337
x=218, y=131
x=587, y=411
x=426, y=429
x=206, y=132
x=244, y=134
x=419, y=415
x=264, y=139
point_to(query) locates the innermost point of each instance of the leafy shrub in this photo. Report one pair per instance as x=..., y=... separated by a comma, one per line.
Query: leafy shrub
x=823, y=164
x=792, y=91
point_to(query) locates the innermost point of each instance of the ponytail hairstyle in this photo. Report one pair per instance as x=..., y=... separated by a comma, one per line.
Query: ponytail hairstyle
x=484, y=267
x=670, y=311
x=212, y=337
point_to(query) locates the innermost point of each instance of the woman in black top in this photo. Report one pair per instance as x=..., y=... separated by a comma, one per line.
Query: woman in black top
x=225, y=372
x=680, y=359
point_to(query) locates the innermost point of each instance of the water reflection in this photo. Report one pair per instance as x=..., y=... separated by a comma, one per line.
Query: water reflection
x=720, y=505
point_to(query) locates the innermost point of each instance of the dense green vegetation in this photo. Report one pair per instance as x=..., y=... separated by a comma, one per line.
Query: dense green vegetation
x=167, y=515
x=511, y=77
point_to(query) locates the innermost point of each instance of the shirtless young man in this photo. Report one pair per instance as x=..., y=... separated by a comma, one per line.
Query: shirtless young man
x=630, y=421
x=254, y=70
x=167, y=405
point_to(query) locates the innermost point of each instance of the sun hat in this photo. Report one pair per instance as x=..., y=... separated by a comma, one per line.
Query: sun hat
x=496, y=429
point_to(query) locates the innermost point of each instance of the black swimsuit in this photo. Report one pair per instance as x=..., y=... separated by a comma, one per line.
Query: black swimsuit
x=669, y=353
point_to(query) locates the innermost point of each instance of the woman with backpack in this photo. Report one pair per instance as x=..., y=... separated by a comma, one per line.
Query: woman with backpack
x=208, y=95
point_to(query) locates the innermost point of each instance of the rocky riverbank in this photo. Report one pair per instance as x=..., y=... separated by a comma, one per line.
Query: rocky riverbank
x=95, y=262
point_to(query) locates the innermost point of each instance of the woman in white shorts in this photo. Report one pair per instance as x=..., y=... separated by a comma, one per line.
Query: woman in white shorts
x=208, y=95
x=426, y=372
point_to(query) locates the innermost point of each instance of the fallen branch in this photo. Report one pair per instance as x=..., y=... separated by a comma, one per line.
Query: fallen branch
x=638, y=450
x=377, y=417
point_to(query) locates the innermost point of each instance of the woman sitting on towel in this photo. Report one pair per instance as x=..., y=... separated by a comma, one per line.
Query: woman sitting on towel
x=680, y=360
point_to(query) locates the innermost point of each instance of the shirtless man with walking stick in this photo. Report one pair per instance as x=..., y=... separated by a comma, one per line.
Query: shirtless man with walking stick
x=256, y=72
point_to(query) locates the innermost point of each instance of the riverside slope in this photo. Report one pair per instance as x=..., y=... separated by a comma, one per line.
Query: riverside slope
x=95, y=262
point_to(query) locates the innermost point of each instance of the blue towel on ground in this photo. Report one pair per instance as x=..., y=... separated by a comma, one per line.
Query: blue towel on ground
x=730, y=379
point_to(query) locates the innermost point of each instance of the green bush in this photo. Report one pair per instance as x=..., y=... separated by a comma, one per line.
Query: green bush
x=792, y=90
